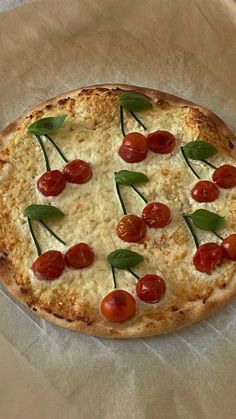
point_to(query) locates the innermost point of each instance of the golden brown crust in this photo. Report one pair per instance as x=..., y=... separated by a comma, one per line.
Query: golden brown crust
x=175, y=316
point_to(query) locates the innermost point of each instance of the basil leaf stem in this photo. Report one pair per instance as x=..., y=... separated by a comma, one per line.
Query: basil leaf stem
x=51, y=232
x=56, y=147
x=187, y=161
x=120, y=198
x=44, y=152
x=190, y=227
x=138, y=120
x=139, y=193
x=113, y=276
x=34, y=237
x=134, y=274
x=217, y=235
x=122, y=120
x=209, y=164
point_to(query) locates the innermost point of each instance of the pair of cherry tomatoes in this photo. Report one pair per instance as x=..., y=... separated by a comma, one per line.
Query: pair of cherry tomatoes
x=135, y=146
x=132, y=228
x=207, y=191
x=119, y=305
x=51, y=264
x=210, y=254
x=53, y=182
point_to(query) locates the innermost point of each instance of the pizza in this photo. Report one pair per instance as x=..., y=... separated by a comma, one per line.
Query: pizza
x=118, y=211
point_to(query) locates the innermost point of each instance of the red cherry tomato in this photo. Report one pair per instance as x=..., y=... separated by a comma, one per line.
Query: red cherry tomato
x=133, y=148
x=131, y=229
x=151, y=288
x=162, y=142
x=225, y=176
x=51, y=183
x=207, y=257
x=118, y=306
x=49, y=265
x=79, y=256
x=156, y=215
x=228, y=246
x=77, y=171
x=205, y=191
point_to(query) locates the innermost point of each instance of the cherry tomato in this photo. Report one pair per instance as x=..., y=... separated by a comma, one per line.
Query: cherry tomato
x=118, y=306
x=228, y=246
x=162, y=142
x=133, y=148
x=156, y=215
x=207, y=257
x=131, y=228
x=49, y=265
x=151, y=288
x=79, y=256
x=225, y=176
x=77, y=171
x=205, y=191
x=51, y=183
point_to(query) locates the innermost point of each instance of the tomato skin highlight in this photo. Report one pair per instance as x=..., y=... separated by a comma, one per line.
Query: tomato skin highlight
x=131, y=229
x=77, y=171
x=133, y=148
x=207, y=257
x=79, y=256
x=161, y=142
x=225, y=176
x=51, y=183
x=49, y=265
x=156, y=215
x=118, y=306
x=205, y=191
x=151, y=288
x=228, y=246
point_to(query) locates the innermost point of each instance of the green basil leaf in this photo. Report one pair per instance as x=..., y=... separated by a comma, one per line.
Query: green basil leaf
x=124, y=259
x=40, y=212
x=46, y=125
x=207, y=220
x=126, y=177
x=199, y=150
x=134, y=102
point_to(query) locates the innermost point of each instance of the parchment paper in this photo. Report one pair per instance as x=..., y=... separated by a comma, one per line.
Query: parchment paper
x=184, y=47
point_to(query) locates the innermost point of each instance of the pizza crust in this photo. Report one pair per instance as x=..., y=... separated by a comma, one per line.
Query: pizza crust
x=176, y=316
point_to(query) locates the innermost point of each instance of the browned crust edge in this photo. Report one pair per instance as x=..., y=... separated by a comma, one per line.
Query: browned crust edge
x=189, y=313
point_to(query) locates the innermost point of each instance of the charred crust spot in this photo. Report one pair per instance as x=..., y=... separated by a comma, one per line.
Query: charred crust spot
x=58, y=316
x=34, y=308
x=24, y=290
x=223, y=285
x=231, y=145
x=37, y=113
x=63, y=101
x=163, y=103
x=49, y=106
x=174, y=308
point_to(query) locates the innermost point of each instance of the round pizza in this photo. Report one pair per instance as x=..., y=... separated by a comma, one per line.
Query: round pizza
x=118, y=211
